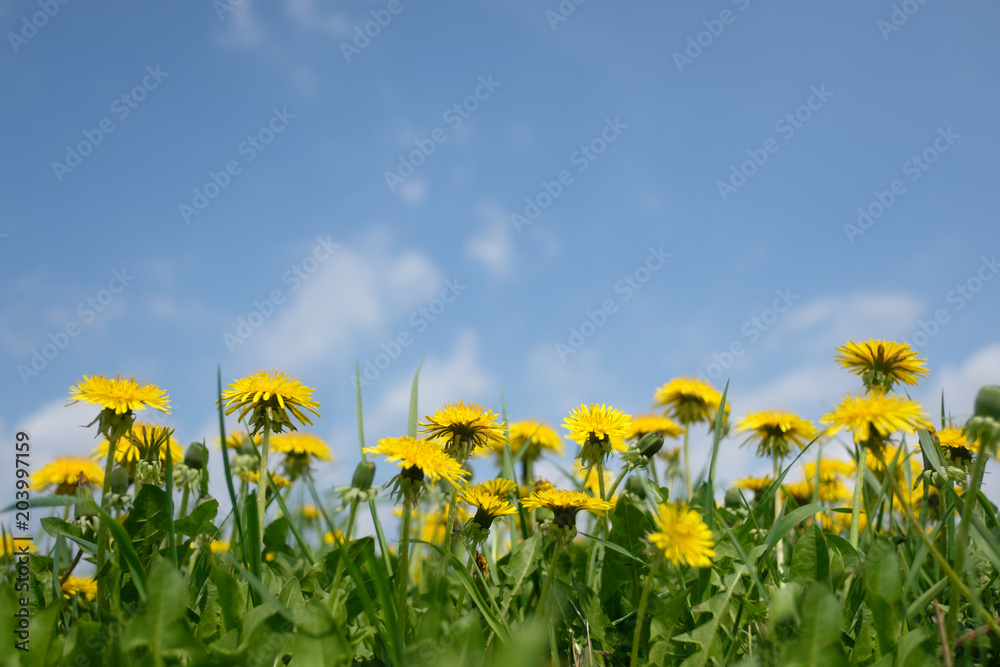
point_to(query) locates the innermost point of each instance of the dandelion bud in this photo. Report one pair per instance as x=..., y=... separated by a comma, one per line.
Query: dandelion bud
x=988, y=402
x=734, y=498
x=119, y=480
x=194, y=456
x=650, y=444
x=363, y=476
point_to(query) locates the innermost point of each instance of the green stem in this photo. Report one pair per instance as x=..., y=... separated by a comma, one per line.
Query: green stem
x=778, y=503
x=642, y=610
x=963, y=533
x=552, y=572
x=956, y=580
x=262, y=480
x=102, y=531
x=859, y=487
x=449, y=526
x=687, y=467
x=404, y=561
x=184, y=501
x=621, y=475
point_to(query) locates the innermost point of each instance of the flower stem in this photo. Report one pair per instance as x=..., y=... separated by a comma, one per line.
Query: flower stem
x=404, y=565
x=552, y=572
x=102, y=532
x=859, y=487
x=780, y=546
x=956, y=580
x=262, y=481
x=963, y=532
x=642, y=610
x=687, y=467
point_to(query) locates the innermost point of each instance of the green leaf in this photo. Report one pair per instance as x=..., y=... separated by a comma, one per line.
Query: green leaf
x=161, y=628
x=884, y=583
x=411, y=421
x=810, y=558
x=147, y=521
x=199, y=521
x=55, y=526
x=819, y=643
x=45, y=644
x=519, y=567
x=706, y=636
x=628, y=528
x=230, y=600
x=318, y=640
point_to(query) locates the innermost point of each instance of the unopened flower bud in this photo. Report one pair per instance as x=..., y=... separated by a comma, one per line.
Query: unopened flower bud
x=119, y=480
x=650, y=444
x=195, y=455
x=734, y=498
x=363, y=476
x=988, y=402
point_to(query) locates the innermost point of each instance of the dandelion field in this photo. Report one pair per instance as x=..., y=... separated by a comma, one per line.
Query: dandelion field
x=891, y=558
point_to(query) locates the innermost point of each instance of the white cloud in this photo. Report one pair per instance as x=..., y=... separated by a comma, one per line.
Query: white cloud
x=241, y=29
x=825, y=323
x=351, y=297
x=413, y=191
x=492, y=244
x=960, y=383
x=460, y=377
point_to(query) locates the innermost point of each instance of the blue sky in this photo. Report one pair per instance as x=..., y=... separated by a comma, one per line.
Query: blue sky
x=172, y=171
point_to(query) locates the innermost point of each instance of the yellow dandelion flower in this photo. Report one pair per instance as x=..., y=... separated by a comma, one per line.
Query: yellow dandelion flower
x=270, y=397
x=219, y=546
x=537, y=436
x=683, y=537
x=334, y=537
x=873, y=418
x=488, y=506
x=119, y=395
x=881, y=363
x=689, y=400
x=565, y=504
x=957, y=444
x=253, y=476
x=498, y=487
x=140, y=442
x=85, y=587
x=755, y=484
x=310, y=513
x=776, y=432
x=236, y=439
x=801, y=492
x=436, y=523
x=652, y=423
x=67, y=473
x=303, y=445
x=598, y=429
x=830, y=468
x=464, y=427
x=420, y=459
x=11, y=547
